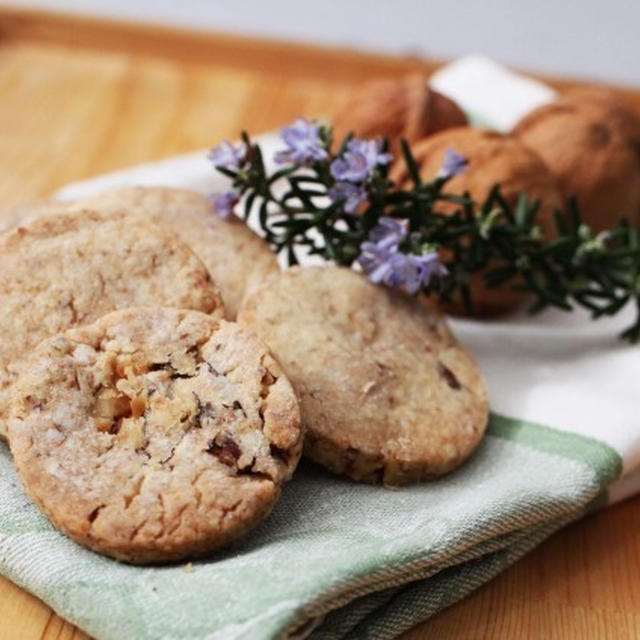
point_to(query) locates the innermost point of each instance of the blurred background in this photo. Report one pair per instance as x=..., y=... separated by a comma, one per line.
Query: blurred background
x=588, y=39
x=84, y=95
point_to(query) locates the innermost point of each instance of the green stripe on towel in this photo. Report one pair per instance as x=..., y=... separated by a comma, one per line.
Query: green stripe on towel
x=605, y=461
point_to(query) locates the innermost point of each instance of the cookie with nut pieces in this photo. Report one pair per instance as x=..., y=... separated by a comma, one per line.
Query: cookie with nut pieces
x=154, y=435
x=386, y=392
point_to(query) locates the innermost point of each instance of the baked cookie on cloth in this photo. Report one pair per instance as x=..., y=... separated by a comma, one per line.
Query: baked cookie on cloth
x=71, y=269
x=235, y=256
x=386, y=393
x=154, y=435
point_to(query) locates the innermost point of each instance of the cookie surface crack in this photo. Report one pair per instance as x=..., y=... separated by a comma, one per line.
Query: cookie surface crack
x=129, y=498
x=226, y=449
x=95, y=513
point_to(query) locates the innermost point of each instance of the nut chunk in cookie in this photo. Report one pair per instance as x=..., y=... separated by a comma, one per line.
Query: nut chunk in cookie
x=154, y=435
x=386, y=392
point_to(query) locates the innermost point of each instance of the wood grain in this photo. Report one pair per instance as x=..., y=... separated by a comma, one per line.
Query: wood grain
x=581, y=584
x=81, y=97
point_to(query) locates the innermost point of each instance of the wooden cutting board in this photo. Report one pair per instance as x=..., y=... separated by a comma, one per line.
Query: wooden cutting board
x=81, y=97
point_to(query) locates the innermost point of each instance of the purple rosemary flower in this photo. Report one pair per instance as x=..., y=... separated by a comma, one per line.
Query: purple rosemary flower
x=419, y=270
x=352, y=194
x=304, y=143
x=384, y=263
x=398, y=270
x=227, y=155
x=223, y=203
x=388, y=233
x=359, y=160
x=453, y=163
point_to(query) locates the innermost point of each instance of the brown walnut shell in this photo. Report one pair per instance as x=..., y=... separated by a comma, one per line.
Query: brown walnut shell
x=492, y=158
x=396, y=108
x=591, y=142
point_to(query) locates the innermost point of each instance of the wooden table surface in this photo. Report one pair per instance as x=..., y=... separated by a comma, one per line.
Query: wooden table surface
x=81, y=97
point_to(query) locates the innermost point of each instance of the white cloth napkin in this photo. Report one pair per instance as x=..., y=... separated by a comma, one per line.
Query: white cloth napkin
x=490, y=95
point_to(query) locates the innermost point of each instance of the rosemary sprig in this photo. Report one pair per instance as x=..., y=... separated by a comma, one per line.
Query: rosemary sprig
x=342, y=207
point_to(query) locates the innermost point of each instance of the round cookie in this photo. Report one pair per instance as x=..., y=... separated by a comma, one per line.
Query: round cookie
x=66, y=270
x=386, y=393
x=154, y=435
x=235, y=256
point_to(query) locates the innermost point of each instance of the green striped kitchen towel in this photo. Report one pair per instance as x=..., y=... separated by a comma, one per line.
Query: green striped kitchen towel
x=336, y=559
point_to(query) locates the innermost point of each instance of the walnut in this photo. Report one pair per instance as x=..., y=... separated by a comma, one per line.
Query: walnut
x=492, y=158
x=110, y=407
x=591, y=142
x=396, y=108
x=131, y=432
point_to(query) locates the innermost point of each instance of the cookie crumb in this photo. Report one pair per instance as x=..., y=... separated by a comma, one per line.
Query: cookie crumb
x=368, y=387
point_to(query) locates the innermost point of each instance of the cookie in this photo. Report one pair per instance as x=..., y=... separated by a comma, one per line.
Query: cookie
x=154, y=435
x=67, y=270
x=235, y=256
x=386, y=393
